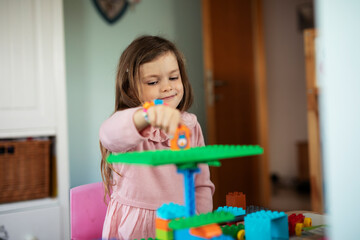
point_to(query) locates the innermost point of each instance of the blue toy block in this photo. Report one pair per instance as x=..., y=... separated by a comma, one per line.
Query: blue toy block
x=171, y=211
x=234, y=210
x=223, y=237
x=266, y=225
x=189, y=189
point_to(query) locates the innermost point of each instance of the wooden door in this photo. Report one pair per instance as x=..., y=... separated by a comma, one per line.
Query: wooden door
x=316, y=177
x=236, y=96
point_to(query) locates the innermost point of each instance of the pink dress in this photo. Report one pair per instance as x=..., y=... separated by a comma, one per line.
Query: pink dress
x=140, y=190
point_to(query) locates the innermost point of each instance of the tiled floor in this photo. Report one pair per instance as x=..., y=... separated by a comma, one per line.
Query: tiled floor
x=288, y=199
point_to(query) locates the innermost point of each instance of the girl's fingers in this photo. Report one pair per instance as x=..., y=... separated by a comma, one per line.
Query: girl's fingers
x=174, y=123
x=165, y=118
x=166, y=121
x=160, y=115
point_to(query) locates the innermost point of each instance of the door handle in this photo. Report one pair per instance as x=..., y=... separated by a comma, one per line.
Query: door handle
x=220, y=83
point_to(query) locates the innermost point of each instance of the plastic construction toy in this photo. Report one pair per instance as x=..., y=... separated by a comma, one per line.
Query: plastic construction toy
x=266, y=225
x=234, y=231
x=187, y=158
x=298, y=223
x=234, y=210
x=236, y=199
x=186, y=162
x=175, y=222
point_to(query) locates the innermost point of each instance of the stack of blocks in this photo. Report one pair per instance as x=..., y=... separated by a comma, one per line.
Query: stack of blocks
x=266, y=225
x=163, y=231
x=202, y=226
x=165, y=214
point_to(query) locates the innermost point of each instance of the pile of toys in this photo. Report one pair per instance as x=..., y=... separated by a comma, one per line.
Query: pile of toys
x=234, y=221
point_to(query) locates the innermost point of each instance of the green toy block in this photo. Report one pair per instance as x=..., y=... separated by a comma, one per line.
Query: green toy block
x=202, y=219
x=232, y=230
x=186, y=158
x=164, y=235
x=147, y=239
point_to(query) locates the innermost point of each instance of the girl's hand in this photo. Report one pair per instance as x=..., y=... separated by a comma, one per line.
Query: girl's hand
x=165, y=118
x=161, y=116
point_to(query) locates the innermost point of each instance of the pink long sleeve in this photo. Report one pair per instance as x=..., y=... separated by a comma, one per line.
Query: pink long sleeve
x=118, y=133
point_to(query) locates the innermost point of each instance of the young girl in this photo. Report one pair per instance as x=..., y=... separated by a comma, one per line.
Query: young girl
x=150, y=68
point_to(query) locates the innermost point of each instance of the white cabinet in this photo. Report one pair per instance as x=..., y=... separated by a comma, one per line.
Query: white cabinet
x=27, y=66
x=42, y=223
x=33, y=103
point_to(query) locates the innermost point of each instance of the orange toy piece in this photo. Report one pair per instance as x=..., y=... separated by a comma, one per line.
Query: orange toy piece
x=236, y=199
x=207, y=231
x=162, y=224
x=181, y=139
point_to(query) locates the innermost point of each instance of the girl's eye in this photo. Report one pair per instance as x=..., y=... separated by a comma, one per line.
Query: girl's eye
x=152, y=83
x=174, y=78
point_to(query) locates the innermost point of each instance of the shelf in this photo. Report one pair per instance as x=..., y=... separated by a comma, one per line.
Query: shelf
x=28, y=205
x=21, y=133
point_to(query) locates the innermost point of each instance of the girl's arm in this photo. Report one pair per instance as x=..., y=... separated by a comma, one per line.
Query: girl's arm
x=120, y=133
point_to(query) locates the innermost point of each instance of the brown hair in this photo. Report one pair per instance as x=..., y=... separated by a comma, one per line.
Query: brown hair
x=142, y=50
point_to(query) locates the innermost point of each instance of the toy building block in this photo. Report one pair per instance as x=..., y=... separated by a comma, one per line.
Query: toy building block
x=162, y=224
x=206, y=231
x=164, y=235
x=298, y=223
x=249, y=209
x=293, y=219
x=163, y=232
x=236, y=199
x=184, y=234
x=252, y=209
x=200, y=220
x=222, y=237
x=232, y=230
x=189, y=189
x=171, y=211
x=266, y=225
x=140, y=239
x=234, y=210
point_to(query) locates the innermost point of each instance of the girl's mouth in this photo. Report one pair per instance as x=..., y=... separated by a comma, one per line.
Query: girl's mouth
x=168, y=98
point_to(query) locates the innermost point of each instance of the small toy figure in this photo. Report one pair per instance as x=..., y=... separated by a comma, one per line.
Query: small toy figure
x=181, y=139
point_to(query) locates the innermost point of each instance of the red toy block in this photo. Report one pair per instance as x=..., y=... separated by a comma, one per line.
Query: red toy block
x=236, y=199
x=293, y=219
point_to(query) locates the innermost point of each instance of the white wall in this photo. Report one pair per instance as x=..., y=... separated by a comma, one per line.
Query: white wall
x=286, y=85
x=338, y=52
x=93, y=48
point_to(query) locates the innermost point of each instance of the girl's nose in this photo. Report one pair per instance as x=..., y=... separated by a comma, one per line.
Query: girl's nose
x=167, y=86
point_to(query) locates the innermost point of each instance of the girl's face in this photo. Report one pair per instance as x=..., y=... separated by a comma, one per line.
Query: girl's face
x=161, y=79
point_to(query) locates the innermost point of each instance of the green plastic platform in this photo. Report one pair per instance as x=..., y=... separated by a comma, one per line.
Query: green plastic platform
x=186, y=158
x=201, y=220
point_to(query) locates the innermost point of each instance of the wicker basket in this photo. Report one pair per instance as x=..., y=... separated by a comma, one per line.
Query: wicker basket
x=24, y=170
